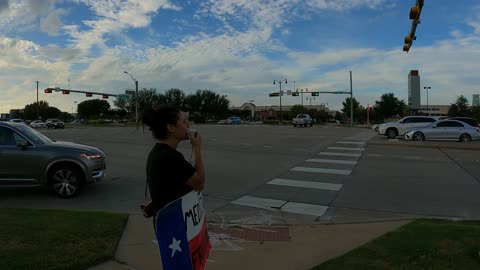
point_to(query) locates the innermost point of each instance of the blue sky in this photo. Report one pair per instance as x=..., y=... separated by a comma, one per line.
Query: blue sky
x=236, y=48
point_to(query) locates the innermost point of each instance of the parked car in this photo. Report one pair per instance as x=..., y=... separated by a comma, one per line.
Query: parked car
x=232, y=120
x=38, y=124
x=302, y=119
x=472, y=122
x=62, y=166
x=394, y=129
x=55, y=123
x=444, y=130
x=17, y=121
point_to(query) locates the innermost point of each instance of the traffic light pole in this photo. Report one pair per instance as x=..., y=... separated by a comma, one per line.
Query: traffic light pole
x=37, y=100
x=351, y=100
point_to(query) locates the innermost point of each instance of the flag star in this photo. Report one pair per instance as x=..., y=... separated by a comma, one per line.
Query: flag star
x=175, y=246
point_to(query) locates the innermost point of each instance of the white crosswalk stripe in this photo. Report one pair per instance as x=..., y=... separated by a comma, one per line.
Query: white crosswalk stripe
x=305, y=184
x=321, y=170
x=346, y=148
x=332, y=161
x=359, y=143
x=339, y=154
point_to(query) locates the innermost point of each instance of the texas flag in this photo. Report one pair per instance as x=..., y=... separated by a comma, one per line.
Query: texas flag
x=182, y=233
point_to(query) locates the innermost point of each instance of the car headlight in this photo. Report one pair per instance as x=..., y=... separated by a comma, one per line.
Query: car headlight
x=91, y=156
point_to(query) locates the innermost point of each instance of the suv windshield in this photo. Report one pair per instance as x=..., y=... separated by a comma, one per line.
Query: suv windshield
x=33, y=135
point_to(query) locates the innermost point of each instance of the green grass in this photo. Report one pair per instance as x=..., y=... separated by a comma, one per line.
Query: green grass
x=421, y=244
x=56, y=239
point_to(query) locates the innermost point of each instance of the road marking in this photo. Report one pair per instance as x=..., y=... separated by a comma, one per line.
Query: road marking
x=267, y=146
x=346, y=148
x=360, y=143
x=227, y=141
x=321, y=170
x=339, y=154
x=305, y=184
x=267, y=204
x=303, y=208
x=374, y=155
x=247, y=144
x=333, y=161
x=298, y=149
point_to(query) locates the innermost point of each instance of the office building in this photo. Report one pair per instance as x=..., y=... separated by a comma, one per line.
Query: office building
x=475, y=100
x=414, y=90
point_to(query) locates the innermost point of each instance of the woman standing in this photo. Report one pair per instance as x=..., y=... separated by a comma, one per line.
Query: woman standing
x=169, y=175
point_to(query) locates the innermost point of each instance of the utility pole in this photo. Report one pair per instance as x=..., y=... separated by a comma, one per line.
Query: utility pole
x=351, y=100
x=368, y=115
x=280, y=95
x=37, y=100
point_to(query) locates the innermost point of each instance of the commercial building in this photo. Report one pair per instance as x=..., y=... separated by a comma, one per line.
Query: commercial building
x=414, y=90
x=475, y=100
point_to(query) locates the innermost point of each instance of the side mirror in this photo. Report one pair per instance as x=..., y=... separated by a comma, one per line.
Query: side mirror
x=22, y=144
x=434, y=125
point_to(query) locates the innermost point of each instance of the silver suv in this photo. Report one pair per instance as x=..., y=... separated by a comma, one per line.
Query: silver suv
x=394, y=129
x=29, y=158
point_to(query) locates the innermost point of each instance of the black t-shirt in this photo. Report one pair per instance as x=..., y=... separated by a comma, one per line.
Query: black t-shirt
x=167, y=174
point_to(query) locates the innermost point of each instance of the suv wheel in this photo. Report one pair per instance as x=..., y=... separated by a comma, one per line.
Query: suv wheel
x=65, y=181
x=392, y=133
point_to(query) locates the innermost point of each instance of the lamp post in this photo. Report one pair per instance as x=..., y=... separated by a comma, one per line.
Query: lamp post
x=426, y=88
x=136, y=97
x=310, y=101
x=280, y=95
x=37, y=100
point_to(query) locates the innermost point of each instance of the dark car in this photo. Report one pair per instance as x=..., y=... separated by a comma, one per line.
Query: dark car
x=28, y=158
x=472, y=122
x=55, y=123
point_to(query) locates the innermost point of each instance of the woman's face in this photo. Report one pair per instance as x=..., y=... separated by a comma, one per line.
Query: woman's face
x=181, y=128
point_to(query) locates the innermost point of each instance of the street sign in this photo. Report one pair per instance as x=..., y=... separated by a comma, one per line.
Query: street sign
x=130, y=92
x=276, y=94
x=123, y=96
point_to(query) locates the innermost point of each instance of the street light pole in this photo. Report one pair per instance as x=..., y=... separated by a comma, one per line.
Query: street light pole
x=427, y=87
x=351, y=100
x=136, y=97
x=37, y=99
x=280, y=94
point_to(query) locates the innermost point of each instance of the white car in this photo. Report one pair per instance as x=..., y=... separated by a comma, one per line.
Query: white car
x=394, y=129
x=38, y=124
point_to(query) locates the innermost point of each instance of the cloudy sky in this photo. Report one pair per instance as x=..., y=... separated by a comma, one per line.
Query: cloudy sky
x=236, y=48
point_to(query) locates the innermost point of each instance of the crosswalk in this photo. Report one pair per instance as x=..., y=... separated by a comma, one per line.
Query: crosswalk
x=323, y=174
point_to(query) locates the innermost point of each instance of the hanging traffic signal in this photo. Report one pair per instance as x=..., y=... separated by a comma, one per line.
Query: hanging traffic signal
x=295, y=94
x=65, y=92
x=315, y=94
x=48, y=91
x=105, y=96
x=415, y=17
x=88, y=94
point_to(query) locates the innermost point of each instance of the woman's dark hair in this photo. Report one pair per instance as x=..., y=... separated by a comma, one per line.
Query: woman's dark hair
x=157, y=118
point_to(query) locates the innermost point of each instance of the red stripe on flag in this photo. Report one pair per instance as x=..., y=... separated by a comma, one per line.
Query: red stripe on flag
x=200, y=248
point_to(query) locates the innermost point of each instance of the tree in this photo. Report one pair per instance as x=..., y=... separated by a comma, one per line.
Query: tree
x=389, y=105
x=346, y=106
x=297, y=109
x=146, y=99
x=459, y=108
x=208, y=103
x=475, y=110
x=30, y=110
x=176, y=97
x=93, y=109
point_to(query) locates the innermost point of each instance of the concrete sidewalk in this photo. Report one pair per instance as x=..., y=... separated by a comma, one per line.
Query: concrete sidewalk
x=304, y=246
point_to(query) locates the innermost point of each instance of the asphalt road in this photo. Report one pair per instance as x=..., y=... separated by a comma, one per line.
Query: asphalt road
x=271, y=174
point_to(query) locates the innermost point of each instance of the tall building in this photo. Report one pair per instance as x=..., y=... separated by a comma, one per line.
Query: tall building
x=475, y=100
x=414, y=90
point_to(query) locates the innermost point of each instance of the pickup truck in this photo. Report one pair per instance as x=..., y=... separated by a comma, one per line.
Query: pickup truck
x=302, y=120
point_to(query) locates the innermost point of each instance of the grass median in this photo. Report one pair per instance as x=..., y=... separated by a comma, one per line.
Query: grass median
x=421, y=244
x=57, y=239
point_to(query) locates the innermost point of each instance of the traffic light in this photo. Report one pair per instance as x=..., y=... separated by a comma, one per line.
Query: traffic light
x=65, y=92
x=48, y=91
x=276, y=94
x=415, y=17
x=315, y=94
x=88, y=94
x=105, y=96
x=295, y=94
